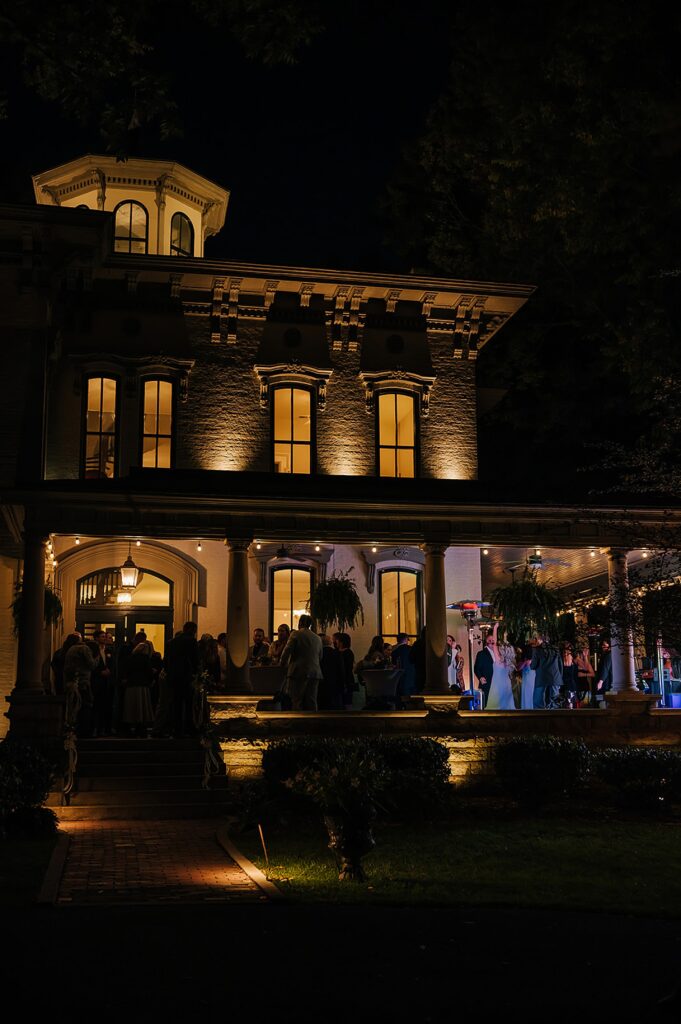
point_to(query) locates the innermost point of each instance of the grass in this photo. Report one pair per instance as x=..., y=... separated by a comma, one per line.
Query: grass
x=621, y=866
x=23, y=863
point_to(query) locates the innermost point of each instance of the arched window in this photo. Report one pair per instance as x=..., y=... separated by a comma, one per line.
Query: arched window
x=99, y=456
x=157, y=424
x=131, y=230
x=396, y=433
x=181, y=235
x=399, y=598
x=290, y=593
x=292, y=430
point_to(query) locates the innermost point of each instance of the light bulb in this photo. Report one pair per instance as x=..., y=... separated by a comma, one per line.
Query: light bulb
x=374, y=550
x=137, y=543
x=198, y=546
x=317, y=547
x=485, y=551
x=77, y=540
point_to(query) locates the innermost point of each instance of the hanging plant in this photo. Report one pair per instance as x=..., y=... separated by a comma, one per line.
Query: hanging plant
x=528, y=608
x=335, y=601
x=52, y=607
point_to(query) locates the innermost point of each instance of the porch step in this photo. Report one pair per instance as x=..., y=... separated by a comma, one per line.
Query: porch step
x=119, y=778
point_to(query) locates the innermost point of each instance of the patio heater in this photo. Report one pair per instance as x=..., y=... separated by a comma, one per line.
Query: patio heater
x=470, y=611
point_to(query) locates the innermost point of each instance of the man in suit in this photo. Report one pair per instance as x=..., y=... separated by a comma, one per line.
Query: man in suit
x=548, y=667
x=483, y=667
x=303, y=659
x=604, y=680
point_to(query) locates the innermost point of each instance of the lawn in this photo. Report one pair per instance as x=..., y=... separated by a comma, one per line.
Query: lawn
x=619, y=866
x=23, y=863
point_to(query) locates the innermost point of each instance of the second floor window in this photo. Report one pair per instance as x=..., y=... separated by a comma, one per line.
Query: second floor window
x=131, y=228
x=157, y=424
x=181, y=236
x=396, y=427
x=292, y=430
x=100, y=428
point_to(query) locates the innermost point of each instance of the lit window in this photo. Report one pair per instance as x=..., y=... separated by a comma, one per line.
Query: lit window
x=400, y=603
x=100, y=428
x=396, y=435
x=157, y=424
x=290, y=595
x=292, y=430
x=131, y=228
x=181, y=236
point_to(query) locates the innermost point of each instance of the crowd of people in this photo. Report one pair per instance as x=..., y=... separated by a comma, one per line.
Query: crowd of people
x=540, y=676
x=132, y=689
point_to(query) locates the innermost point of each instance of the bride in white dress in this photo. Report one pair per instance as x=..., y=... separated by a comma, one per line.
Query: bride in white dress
x=501, y=692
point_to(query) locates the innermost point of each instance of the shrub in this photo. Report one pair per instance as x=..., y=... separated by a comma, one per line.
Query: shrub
x=418, y=769
x=534, y=769
x=25, y=780
x=644, y=778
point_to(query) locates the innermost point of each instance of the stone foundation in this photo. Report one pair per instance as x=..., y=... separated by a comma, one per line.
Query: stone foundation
x=470, y=736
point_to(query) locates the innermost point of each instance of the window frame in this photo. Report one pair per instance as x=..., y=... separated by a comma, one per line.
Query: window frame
x=380, y=393
x=288, y=566
x=128, y=251
x=84, y=432
x=161, y=378
x=285, y=385
x=192, y=237
x=418, y=573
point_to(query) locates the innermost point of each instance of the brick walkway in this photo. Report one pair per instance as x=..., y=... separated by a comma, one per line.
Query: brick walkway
x=119, y=862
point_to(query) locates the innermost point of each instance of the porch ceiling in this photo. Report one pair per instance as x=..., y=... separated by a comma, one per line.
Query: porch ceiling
x=576, y=569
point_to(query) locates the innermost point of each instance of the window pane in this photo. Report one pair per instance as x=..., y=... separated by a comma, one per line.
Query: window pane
x=386, y=420
x=282, y=414
x=92, y=467
x=165, y=398
x=408, y=603
x=107, y=455
x=164, y=448
x=282, y=458
x=389, y=603
x=123, y=220
x=138, y=221
x=301, y=458
x=301, y=415
x=301, y=594
x=149, y=452
x=405, y=420
x=137, y=247
x=94, y=393
x=386, y=462
x=405, y=462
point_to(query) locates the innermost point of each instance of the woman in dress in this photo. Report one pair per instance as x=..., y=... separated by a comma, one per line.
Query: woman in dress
x=278, y=645
x=501, y=692
x=527, y=680
x=138, y=713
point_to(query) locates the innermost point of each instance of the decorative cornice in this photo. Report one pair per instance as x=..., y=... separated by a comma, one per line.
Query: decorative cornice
x=299, y=554
x=386, y=380
x=293, y=373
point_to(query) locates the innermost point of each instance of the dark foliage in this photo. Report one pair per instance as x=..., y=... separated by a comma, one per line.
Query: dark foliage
x=535, y=769
x=25, y=780
x=645, y=779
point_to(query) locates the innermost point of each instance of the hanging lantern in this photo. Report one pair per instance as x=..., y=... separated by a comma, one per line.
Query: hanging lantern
x=129, y=573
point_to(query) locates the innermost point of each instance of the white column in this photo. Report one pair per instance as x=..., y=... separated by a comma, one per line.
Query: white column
x=238, y=630
x=621, y=636
x=436, y=620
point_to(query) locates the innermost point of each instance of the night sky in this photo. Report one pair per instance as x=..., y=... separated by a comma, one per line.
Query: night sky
x=306, y=150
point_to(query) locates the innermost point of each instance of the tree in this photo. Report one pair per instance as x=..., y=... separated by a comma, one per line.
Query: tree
x=552, y=159
x=120, y=66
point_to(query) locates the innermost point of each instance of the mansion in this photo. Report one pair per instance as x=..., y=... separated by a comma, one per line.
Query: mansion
x=236, y=431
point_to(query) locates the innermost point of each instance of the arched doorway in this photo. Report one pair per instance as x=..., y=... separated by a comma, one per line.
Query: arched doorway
x=150, y=608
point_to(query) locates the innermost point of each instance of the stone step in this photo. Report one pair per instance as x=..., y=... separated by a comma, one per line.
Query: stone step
x=141, y=812
x=160, y=756
x=125, y=783
x=189, y=769
x=135, y=797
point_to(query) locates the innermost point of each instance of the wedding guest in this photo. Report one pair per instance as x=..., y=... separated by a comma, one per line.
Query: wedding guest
x=401, y=659
x=209, y=660
x=303, y=657
x=260, y=648
x=278, y=645
x=222, y=655
x=343, y=643
x=330, y=696
x=138, y=712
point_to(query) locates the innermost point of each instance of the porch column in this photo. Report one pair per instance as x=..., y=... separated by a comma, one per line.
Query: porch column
x=238, y=630
x=621, y=638
x=436, y=620
x=30, y=651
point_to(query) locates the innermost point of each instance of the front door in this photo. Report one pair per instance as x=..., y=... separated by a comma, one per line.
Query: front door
x=157, y=623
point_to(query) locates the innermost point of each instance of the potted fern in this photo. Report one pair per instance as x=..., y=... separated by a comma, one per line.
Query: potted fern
x=335, y=601
x=528, y=608
x=52, y=608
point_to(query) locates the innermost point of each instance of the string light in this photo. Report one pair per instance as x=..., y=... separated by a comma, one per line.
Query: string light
x=592, y=553
x=374, y=550
x=258, y=547
x=198, y=546
x=137, y=543
x=317, y=547
x=485, y=551
x=77, y=540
